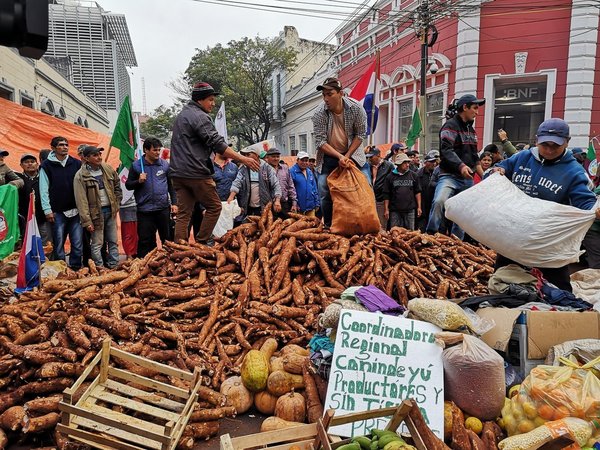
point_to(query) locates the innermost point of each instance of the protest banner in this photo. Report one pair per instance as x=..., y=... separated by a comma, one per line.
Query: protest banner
x=378, y=362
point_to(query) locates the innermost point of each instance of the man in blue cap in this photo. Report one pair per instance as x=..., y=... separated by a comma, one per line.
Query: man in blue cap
x=459, y=160
x=550, y=172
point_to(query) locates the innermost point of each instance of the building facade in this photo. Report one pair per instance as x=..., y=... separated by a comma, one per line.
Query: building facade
x=288, y=90
x=36, y=84
x=100, y=49
x=530, y=60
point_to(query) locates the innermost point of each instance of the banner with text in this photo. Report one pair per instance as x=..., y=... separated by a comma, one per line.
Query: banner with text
x=378, y=362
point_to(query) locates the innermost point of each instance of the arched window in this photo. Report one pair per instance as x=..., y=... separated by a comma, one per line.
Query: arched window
x=47, y=106
x=61, y=113
x=86, y=124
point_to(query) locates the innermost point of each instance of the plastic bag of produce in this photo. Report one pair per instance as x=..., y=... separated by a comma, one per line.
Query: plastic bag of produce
x=473, y=376
x=350, y=188
x=548, y=234
x=443, y=313
x=580, y=351
x=578, y=430
x=229, y=211
x=552, y=393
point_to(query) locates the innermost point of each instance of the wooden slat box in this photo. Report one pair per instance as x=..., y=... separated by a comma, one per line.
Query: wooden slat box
x=99, y=426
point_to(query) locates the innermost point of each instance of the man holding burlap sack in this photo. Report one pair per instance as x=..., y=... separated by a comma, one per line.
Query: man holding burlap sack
x=340, y=125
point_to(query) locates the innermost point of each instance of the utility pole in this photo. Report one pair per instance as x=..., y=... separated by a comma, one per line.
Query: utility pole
x=423, y=27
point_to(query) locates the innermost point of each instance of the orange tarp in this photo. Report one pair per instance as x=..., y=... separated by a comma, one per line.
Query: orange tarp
x=25, y=130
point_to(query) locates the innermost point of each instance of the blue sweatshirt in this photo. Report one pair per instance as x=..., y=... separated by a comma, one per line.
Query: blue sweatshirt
x=562, y=181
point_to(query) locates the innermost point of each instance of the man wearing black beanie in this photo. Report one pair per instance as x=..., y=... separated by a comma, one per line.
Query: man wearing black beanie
x=194, y=139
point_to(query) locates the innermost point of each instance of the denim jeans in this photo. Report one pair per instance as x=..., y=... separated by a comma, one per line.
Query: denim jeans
x=326, y=203
x=61, y=228
x=106, y=234
x=448, y=186
x=402, y=219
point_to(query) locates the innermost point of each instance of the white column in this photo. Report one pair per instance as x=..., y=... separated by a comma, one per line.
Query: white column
x=583, y=41
x=467, y=52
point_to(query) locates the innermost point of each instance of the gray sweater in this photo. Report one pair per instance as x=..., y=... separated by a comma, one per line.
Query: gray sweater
x=194, y=139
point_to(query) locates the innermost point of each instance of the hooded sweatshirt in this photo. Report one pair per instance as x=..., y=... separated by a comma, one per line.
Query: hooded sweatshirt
x=561, y=181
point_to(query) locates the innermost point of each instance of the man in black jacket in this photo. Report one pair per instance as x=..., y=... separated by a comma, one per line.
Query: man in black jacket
x=380, y=169
x=31, y=180
x=459, y=161
x=424, y=175
x=194, y=139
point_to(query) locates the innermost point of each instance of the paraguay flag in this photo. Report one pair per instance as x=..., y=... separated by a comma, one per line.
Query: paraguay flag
x=32, y=253
x=367, y=90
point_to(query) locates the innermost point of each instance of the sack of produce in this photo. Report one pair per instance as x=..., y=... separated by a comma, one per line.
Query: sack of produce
x=443, y=313
x=548, y=234
x=350, y=188
x=552, y=393
x=473, y=375
x=578, y=430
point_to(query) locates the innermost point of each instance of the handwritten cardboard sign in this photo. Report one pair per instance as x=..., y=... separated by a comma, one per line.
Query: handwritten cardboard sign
x=378, y=362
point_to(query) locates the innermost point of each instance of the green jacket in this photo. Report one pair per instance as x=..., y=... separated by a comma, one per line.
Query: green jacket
x=87, y=195
x=508, y=148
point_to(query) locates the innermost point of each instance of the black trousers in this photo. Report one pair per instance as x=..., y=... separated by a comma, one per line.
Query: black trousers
x=148, y=223
x=559, y=276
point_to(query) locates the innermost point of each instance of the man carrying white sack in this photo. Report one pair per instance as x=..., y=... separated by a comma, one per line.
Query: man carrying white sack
x=550, y=172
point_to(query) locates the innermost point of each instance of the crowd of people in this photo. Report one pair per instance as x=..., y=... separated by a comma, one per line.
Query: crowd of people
x=79, y=199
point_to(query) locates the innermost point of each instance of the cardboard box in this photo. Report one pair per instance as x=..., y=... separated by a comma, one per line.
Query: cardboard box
x=544, y=328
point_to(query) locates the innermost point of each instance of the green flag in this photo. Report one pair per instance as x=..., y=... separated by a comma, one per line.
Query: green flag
x=123, y=136
x=9, y=222
x=591, y=153
x=415, y=129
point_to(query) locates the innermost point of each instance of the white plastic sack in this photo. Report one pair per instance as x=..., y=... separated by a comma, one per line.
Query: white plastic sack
x=530, y=231
x=229, y=211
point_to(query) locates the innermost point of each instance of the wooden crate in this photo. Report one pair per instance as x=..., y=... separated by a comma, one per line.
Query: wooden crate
x=99, y=426
x=314, y=436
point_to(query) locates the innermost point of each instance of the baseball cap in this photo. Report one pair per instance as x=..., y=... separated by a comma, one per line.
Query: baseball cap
x=553, y=130
x=4, y=153
x=302, y=155
x=273, y=151
x=399, y=159
x=27, y=156
x=313, y=158
x=469, y=98
x=252, y=149
x=330, y=83
x=374, y=152
x=432, y=155
x=411, y=153
x=397, y=146
x=576, y=150
x=91, y=150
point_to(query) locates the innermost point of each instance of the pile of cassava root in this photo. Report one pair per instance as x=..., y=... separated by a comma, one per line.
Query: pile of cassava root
x=189, y=305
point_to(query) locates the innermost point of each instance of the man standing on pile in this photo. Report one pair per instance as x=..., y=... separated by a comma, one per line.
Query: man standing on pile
x=340, y=125
x=194, y=139
x=380, y=169
x=550, y=172
x=154, y=196
x=98, y=197
x=289, y=199
x=459, y=160
x=58, y=200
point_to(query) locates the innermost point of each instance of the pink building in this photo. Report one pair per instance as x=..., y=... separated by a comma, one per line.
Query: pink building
x=531, y=61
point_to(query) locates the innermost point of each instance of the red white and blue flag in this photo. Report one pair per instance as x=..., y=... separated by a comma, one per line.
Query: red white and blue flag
x=32, y=253
x=366, y=92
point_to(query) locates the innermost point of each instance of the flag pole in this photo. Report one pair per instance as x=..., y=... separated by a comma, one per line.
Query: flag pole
x=373, y=103
x=108, y=153
x=38, y=257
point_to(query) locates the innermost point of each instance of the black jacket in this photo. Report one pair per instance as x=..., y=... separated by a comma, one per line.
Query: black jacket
x=458, y=145
x=31, y=184
x=427, y=189
x=385, y=168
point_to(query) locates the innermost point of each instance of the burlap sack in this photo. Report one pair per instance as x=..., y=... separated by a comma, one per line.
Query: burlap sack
x=353, y=199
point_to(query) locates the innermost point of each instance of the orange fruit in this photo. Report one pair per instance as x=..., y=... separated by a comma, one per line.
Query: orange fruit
x=561, y=412
x=546, y=412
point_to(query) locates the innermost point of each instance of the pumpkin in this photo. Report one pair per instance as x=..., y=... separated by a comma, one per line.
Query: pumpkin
x=293, y=363
x=275, y=423
x=264, y=401
x=237, y=395
x=291, y=407
x=295, y=349
x=281, y=382
x=255, y=370
x=276, y=364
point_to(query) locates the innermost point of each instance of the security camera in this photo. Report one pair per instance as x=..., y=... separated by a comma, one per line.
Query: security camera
x=434, y=68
